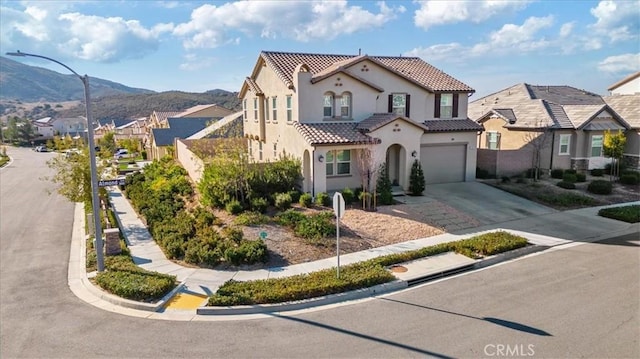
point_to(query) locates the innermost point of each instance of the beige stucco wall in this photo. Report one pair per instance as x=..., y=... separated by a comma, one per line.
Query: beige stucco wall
x=189, y=161
x=629, y=88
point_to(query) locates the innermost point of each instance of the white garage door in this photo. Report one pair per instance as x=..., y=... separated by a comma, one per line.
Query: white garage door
x=443, y=163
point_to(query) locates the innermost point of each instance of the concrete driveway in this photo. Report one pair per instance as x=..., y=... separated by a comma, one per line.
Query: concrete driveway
x=477, y=203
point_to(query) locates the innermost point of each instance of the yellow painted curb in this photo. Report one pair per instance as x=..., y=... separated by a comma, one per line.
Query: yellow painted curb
x=186, y=300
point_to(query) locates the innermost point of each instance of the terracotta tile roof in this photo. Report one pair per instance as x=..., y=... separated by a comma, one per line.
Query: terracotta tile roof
x=411, y=68
x=333, y=133
x=452, y=125
x=378, y=120
x=253, y=86
x=627, y=106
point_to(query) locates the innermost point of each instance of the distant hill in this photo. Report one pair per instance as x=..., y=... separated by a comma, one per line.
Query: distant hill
x=141, y=105
x=36, y=84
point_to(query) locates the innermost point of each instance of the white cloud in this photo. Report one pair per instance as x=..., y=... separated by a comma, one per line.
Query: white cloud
x=618, y=20
x=193, y=62
x=624, y=63
x=567, y=28
x=210, y=26
x=52, y=28
x=438, y=12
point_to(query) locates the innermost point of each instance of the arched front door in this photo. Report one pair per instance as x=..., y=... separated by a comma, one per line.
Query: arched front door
x=396, y=163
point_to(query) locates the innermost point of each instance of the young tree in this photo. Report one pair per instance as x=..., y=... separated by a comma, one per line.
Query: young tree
x=107, y=143
x=613, y=146
x=537, y=140
x=225, y=175
x=367, y=168
x=383, y=186
x=416, y=179
x=73, y=176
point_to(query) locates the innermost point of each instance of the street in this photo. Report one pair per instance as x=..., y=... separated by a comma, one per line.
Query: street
x=578, y=301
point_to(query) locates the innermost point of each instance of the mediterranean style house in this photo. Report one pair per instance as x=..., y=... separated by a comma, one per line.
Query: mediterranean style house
x=625, y=100
x=565, y=125
x=329, y=110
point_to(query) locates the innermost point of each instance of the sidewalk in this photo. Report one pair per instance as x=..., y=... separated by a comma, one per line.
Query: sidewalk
x=547, y=230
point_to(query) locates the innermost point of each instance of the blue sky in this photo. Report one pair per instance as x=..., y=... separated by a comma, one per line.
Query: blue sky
x=196, y=46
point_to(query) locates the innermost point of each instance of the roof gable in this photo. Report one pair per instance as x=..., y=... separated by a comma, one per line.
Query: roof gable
x=379, y=120
x=626, y=106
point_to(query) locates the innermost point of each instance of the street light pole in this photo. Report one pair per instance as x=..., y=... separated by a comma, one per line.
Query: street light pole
x=92, y=156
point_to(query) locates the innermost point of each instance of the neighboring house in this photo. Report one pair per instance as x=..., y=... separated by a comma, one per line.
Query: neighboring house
x=43, y=130
x=72, y=126
x=628, y=86
x=181, y=128
x=628, y=107
x=327, y=110
x=565, y=124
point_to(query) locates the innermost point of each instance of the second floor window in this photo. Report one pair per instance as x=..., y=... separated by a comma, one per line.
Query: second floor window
x=255, y=109
x=345, y=105
x=399, y=103
x=260, y=150
x=274, y=107
x=266, y=109
x=244, y=109
x=446, y=105
x=289, y=108
x=327, y=105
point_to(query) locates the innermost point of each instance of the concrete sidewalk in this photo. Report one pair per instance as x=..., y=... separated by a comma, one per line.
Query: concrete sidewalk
x=548, y=229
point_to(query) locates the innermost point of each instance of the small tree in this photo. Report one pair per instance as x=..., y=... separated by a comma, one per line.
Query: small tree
x=383, y=186
x=366, y=167
x=416, y=180
x=537, y=140
x=73, y=176
x=107, y=143
x=613, y=146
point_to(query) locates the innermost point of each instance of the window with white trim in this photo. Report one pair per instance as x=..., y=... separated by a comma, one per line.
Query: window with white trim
x=596, y=146
x=565, y=145
x=338, y=162
x=446, y=105
x=289, y=108
x=493, y=140
x=260, y=150
x=255, y=109
x=244, y=109
x=274, y=108
x=266, y=109
x=399, y=104
x=345, y=105
x=327, y=105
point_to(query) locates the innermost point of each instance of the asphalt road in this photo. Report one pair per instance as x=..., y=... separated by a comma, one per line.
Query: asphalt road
x=580, y=301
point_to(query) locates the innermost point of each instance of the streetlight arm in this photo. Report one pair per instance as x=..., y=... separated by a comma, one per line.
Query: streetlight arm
x=24, y=54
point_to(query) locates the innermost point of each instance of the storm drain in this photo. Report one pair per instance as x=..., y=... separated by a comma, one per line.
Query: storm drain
x=437, y=275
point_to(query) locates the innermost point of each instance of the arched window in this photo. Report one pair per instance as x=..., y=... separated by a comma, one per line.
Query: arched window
x=327, y=104
x=345, y=105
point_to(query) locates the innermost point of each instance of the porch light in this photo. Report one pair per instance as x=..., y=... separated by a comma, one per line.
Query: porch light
x=321, y=158
x=414, y=153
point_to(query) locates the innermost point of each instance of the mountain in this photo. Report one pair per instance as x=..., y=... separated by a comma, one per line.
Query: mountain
x=32, y=84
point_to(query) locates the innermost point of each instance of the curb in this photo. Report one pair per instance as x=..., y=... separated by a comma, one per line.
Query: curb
x=305, y=304
x=502, y=257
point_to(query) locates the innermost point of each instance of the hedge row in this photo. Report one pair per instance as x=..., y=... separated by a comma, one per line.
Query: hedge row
x=354, y=276
x=630, y=214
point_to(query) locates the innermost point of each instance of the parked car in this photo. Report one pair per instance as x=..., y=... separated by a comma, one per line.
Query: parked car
x=121, y=153
x=41, y=149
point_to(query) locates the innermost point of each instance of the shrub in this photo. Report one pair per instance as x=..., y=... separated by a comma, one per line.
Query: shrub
x=233, y=207
x=597, y=172
x=566, y=185
x=233, y=234
x=505, y=179
x=305, y=199
x=531, y=172
x=630, y=214
x=348, y=196
x=250, y=219
x=316, y=226
x=383, y=186
x=323, y=199
x=570, y=171
x=569, y=177
x=630, y=177
x=557, y=173
x=600, y=187
x=416, y=179
x=248, y=252
x=522, y=180
x=581, y=177
x=566, y=200
x=289, y=218
x=295, y=196
x=482, y=173
x=608, y=168
x=282, y=201
x=259, y=204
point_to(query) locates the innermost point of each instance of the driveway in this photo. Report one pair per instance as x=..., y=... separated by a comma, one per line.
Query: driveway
x=478, y=204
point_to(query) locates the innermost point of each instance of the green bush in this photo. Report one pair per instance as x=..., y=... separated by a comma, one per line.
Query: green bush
x=323, y=199
x=295, y=196
x=522, y=180
x=125, y=279
x=482, y=173
x=629, y=214
x=233, y=207
x=233, y=234
x=282, y=201
x=569, y=177
x=259, y=204
x=316, y=226
x=630, y=177
x=416, y=179
x=353, y=276
x=557, y=173
x=566, y=185
x=250, y=219
x=383, y=186
x=600, y=187
x=597, y=172
x=248, y=252
x=289, y=218
x=505, y=179
x=570, y=171
x=348, y=196
x=566, y=200
x=581, y=177
x=305, y=200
